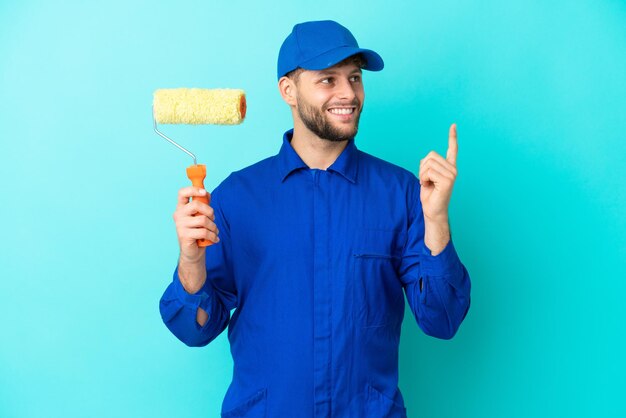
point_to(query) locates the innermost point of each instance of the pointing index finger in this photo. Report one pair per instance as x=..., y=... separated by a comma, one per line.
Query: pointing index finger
x=453, y=145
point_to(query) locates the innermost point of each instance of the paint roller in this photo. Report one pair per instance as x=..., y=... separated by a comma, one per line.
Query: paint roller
x=195, y=106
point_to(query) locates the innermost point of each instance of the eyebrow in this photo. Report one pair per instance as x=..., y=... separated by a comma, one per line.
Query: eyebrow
x=328, y=72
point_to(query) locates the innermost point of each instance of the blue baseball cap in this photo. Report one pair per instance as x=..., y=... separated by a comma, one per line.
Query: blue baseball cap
x=321, y=44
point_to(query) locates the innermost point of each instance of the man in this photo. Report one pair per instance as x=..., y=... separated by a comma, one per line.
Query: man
x=316, y=247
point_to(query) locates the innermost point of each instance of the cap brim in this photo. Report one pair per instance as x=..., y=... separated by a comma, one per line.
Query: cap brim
x=373, y=61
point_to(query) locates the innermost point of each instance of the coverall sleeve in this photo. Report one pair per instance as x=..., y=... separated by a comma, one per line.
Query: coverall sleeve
x=437, y=287
x=217, y=297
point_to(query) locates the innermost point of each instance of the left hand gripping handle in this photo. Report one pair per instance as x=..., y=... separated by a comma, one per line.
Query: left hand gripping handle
x=196, y=174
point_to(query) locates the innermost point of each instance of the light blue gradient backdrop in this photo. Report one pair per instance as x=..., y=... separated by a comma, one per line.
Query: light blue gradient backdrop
x=88, y=189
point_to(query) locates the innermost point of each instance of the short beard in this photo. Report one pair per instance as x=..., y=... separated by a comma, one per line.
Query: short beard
x=317, y=122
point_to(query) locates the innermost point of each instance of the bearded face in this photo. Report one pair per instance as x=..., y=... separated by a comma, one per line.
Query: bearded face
x=333, y=122
x=329, y=102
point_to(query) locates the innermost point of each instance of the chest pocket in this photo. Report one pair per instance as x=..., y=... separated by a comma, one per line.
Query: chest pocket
x=377, y=291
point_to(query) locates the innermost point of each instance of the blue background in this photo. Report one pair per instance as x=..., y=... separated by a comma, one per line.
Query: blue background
x=88, y=190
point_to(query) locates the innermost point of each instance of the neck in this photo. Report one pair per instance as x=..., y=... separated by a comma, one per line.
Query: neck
x=315, y=151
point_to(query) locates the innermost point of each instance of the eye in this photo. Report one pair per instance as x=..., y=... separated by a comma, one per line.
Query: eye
x=355, y=78
x=326, y=80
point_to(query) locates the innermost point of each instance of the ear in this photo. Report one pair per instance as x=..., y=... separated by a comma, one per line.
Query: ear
x=287, y=89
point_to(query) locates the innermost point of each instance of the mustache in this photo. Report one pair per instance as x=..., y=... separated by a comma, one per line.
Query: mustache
x=356, y=103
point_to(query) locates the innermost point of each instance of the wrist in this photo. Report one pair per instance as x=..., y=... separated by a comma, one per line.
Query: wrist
x=436, y=236
x=438, y=221
x=192, y=273
x=191, y=259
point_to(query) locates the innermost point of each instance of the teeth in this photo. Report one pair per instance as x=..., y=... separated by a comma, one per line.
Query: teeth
x=341, y=111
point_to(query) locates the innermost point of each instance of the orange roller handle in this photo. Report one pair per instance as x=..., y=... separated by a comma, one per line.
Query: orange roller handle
x=196, y=174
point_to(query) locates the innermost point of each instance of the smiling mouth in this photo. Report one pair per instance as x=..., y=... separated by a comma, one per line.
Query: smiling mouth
x=342, y=110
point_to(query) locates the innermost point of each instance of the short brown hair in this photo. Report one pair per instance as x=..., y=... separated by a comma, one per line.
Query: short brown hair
x=357, y=59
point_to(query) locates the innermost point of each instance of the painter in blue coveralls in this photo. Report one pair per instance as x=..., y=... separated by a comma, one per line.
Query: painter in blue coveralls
x=317, y=247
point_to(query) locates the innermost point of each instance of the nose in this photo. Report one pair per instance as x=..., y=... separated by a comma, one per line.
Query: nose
x=345, y=89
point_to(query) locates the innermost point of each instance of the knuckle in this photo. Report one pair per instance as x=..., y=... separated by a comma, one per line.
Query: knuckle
x=178, y=215
x=195, y=205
